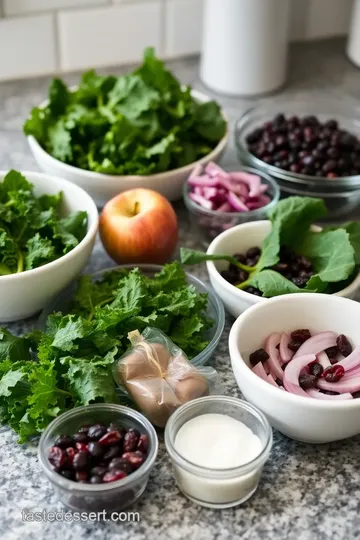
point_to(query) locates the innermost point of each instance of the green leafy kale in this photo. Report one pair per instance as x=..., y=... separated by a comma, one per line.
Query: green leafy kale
x=141, y=123
x=70, y=362
x=334, y=251
x=32, y=230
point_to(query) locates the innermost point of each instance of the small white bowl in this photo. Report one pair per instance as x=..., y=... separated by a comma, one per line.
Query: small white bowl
x=103, y=187
x=301, y=418
x=238, y=240
x=26, y=293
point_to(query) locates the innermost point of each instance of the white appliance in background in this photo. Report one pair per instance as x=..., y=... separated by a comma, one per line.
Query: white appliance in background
x=353, y=46
x=245, y=43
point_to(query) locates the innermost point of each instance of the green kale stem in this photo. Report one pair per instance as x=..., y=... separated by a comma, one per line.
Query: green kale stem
x=63, y=392
x=100, y=304
x=20, y=262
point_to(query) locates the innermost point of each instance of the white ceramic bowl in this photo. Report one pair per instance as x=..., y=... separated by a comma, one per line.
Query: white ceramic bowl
x=103, y=187
x=301, y=418
x=26, y=293
x=238, y=240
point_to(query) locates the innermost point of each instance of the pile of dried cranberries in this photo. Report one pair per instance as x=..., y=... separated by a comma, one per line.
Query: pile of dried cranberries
x=98, y=454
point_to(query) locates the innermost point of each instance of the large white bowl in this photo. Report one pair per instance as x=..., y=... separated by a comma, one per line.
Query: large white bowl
x=103, y=187
x=301, y=418
x=26, y=293
x=238, y=240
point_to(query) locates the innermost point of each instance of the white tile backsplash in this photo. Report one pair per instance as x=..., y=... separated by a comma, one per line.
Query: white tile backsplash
x=27, y=45
x=22, y=7
x=94, y=33
x=108, y=36
x=183, y=27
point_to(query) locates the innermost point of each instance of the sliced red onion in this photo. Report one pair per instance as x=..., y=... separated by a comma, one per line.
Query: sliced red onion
x=214, y=170
x=316, y=344
x=352, y=361
x=292, y=372
x=312, y=392
x=274, y=358
x=225, y=207
x=238, y=189
x=237, y=203
x=203, y=181
x=252, y=180
x=271, y=380
x=285, y=353
x=323, y=359
x=260, y=371
x=345, y=385
x=199, y=199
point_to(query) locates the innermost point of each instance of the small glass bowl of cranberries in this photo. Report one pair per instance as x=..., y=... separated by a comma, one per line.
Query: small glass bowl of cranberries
x=311, y=148
x=208, y=224
x=98, y=458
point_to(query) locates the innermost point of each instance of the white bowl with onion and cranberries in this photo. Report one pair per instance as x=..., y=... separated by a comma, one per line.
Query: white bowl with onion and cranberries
x=238, y=240
x=297, y=415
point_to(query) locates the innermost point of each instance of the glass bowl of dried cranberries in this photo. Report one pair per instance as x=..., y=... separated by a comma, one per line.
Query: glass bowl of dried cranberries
x=99, y=457
x=311, y=148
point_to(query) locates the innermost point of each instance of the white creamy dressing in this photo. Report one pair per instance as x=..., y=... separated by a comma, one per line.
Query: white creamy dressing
x=217, y=441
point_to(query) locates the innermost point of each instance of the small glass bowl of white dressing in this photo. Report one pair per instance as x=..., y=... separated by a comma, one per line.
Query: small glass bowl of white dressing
x=218, y=446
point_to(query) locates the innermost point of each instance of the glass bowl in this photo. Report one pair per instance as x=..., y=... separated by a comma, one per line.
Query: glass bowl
x=98, y=497
x=341, y=195
x=218, y=488
x=215, y=308
x=208, y=224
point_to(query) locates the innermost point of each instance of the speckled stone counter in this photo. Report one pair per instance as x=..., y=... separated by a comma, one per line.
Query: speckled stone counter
x=306, y=492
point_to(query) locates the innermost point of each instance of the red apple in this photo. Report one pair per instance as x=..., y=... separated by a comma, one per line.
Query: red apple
x=139, y=226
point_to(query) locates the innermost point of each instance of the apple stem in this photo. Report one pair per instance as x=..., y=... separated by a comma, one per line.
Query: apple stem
x=136, y=208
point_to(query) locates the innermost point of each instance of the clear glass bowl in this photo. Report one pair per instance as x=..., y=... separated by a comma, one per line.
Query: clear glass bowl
x=341, y=195
x=218, y=488
x=98, y=497
x=215, y=308
x=208, y=224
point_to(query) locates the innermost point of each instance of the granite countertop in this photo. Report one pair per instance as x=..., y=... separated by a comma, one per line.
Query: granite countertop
x=306, y=491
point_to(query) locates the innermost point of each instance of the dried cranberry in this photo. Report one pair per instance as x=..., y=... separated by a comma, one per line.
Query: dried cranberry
x=294, y=345
x=81, y=460
x=95, y=480
x=114, y=475
x=333, y=373
x=131, y=440
x=111, y=437
x=63, y=441
x=260, y=355
x=331, y=352
x=81, y=437
x=134, y=458
x=70, y=455
x=112, y=452
x=307, y=381
x=84, y=429
x=301, y=335
x=253, y=252
x=143, y=443
x=121, y=464
x=57, y=457
x=343, y=345
x=316, y=369
x=95, y=449
x=240, y=257
x=98, y=471
x=81, y=476
x=81, y=447
x=66, y=473
x=96, y=432
x=356, y=394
